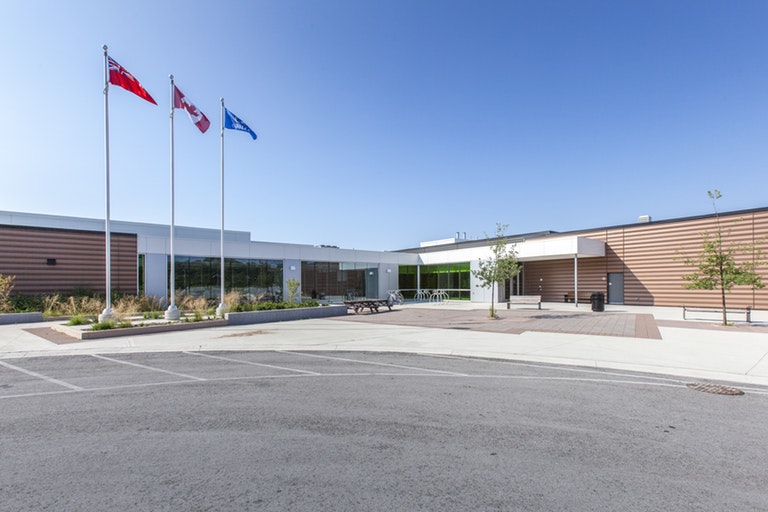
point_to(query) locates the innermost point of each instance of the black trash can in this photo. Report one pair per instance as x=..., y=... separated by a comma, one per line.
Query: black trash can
x=598, y=301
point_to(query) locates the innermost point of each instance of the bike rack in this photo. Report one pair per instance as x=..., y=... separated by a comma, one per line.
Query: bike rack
x=439, y=296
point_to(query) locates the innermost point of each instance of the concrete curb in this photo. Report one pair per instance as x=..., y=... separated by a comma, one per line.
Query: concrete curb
x=81, y=334
x=281, y=315
x=238, y=318
x=20, y=318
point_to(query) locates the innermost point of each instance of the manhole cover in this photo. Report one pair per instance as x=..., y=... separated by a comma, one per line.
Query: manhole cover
x=716, y=389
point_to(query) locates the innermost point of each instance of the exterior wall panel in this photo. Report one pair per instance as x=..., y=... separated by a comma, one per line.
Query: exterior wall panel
x=652, y=258
x=78, y=255
x=554, y=278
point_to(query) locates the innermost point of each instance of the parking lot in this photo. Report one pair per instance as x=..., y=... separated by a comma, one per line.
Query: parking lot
x=298, y=430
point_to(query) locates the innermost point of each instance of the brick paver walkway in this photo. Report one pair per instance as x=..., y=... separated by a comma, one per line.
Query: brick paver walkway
x=517, y=321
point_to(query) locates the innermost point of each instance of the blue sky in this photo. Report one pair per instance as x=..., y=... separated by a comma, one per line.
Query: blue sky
x=383, y=124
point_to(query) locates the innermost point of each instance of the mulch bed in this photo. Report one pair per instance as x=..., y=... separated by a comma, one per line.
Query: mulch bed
x=49, y=334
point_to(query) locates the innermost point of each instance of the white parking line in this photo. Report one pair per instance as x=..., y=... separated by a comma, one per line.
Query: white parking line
x=183, y=375
x=251, y=363
x=374, y=363
x=558, y=368
x=597, y=376
x=41, y=376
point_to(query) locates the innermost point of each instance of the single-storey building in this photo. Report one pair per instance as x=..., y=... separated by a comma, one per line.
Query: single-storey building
x=638, y=264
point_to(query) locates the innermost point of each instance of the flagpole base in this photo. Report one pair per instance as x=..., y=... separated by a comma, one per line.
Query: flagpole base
x=107, y=315
x=172, y=313
x=221, y=310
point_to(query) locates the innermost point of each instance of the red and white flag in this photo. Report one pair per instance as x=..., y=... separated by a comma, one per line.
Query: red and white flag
x=120, y=76
x=197, y=117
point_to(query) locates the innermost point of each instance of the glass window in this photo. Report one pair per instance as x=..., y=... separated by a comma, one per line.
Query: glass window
x=453, y=277
x=338, y=281
x=258, y=280
x=141, y=277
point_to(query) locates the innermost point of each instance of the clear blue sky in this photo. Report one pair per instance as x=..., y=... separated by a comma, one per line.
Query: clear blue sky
x=385, y=123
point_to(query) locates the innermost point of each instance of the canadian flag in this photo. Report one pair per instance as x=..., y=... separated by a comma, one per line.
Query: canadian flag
x=197, y=117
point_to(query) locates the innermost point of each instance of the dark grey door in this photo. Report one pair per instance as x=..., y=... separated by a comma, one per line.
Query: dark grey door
x=616, y=288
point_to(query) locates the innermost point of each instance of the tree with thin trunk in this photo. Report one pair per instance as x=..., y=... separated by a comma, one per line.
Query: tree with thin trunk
x=294, y=293
x=6, y=287
x=717, y=268
x=501, y=265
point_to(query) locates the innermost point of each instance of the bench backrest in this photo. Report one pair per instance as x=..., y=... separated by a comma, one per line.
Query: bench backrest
x=528, y=299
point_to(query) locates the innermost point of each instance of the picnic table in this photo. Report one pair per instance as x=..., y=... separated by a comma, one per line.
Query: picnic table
x=359, y=305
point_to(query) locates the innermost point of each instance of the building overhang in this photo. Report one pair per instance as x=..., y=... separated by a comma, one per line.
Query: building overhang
x=559, y=248
x=541, y=249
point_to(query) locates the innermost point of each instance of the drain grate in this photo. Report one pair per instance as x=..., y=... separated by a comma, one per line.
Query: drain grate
x=715, y=389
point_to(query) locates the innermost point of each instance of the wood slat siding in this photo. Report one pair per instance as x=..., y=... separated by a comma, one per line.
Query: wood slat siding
x=652, y=256
x=79, y=256
x=552, y=279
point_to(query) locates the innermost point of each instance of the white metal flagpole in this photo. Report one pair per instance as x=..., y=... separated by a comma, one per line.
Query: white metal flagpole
x=107, y=314
x=172, y=313
x=222, y=309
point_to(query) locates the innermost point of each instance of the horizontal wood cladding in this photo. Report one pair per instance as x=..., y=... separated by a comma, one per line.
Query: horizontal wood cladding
x=552, y=279
x=652, y=258
x=54, y=260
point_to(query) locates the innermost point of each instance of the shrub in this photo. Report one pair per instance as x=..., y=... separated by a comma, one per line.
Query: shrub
x=103, y=326
x=83, y=305
x=268, y=306
x=79, y=320
x=195, y=304
x=54, y=305
x=233, y=299
x=123, y=305
x=25, y=303
x=110, y=324
x=135, y=304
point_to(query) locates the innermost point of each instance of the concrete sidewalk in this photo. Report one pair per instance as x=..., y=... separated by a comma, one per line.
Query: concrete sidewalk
x=692, y=350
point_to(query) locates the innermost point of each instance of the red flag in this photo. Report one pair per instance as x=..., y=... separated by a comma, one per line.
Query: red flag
x=120, y=76
x=197, y=117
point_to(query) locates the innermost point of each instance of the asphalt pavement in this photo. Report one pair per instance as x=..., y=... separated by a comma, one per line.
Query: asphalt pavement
x=350, y=431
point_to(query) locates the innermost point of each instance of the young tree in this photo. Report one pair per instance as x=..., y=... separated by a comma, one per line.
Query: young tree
x=501, y=265
x=717, y=268
x=294, y=295
x=6, y=287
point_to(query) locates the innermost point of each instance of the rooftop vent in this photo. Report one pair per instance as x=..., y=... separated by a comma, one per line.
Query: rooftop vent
x=644, y=219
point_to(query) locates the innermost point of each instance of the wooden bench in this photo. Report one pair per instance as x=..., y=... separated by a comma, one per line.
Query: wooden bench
x=583, y=297
x=524, y=299
x=359, y=305
x=747, y=312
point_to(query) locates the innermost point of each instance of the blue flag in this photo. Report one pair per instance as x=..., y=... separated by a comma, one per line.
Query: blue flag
x=233, y=122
